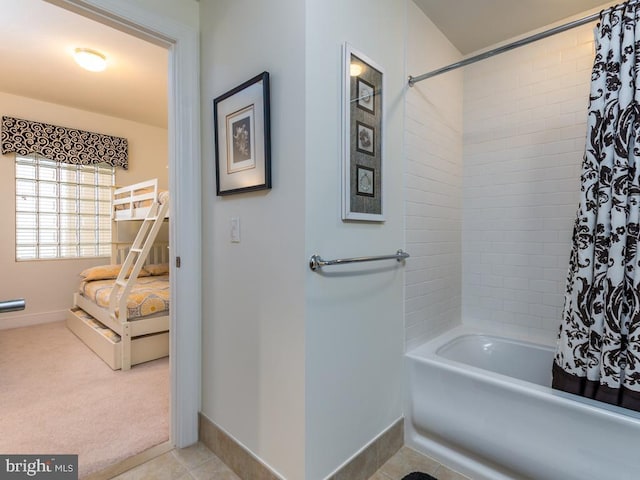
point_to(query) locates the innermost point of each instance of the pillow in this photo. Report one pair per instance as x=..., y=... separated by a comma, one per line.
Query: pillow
x=157, y=269
x=106, y=272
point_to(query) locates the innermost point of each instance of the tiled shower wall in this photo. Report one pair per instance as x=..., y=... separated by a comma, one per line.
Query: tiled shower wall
x=525, y=117
x=433, y=178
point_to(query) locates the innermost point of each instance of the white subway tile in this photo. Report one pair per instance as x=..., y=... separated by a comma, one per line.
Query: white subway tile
x=494, y=235
x=554, y=299
x=515, y=307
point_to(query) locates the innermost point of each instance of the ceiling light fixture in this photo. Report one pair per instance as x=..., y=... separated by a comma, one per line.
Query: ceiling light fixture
x=90, y=59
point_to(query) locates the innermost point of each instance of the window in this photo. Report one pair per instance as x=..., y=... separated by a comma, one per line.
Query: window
x=62, y=210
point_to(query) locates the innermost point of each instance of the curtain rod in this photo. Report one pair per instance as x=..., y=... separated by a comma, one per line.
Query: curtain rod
x=511, y=46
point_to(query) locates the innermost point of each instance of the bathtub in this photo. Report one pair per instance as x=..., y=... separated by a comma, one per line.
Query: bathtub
x=483, y=405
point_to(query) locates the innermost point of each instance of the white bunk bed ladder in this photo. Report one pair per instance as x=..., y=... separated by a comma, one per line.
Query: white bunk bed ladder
x=134, y=261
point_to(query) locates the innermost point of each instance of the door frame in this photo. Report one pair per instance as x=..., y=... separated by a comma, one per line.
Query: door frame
x=182, y=43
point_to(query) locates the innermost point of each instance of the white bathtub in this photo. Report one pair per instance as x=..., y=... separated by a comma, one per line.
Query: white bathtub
x=483, y=405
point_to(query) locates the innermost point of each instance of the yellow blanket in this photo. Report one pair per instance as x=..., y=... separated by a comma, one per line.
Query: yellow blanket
x=149, y=296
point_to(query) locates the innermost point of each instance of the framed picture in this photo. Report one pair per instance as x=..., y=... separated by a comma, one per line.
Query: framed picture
x=366, y=181
x=242, y=137
x=365, y=141
x=366, y=95
x=362, y=138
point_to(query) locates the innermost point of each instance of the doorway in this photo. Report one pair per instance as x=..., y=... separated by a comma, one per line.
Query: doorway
x=180, y=39
x=181, y=36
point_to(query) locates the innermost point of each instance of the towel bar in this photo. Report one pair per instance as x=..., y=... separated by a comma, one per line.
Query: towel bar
x=316, y=261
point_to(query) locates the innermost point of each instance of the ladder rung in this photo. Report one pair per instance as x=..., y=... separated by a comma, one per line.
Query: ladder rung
x=150, y=219
x=121, y=283
x=136, y=250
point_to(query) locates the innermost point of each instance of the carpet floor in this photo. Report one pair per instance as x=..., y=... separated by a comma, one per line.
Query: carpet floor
x=58, y=397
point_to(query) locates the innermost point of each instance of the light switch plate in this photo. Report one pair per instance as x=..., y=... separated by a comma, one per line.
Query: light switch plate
x=235, y=229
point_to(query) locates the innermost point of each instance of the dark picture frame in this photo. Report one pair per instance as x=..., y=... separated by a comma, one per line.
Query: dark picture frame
x=362, y=139
x=366, y=93
x=242, y=133
x=366, y=181
x=365, y=139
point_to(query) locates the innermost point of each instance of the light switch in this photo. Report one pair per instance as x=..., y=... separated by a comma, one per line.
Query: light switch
x=235, y=229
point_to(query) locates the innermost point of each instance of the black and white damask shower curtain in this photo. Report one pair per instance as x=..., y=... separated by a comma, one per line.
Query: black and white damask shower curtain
x=598, y=353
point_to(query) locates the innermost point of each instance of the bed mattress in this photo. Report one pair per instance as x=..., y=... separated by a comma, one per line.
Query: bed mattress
x=149, y=295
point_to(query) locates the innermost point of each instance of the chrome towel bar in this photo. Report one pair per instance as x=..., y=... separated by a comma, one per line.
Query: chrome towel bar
x=316, y=261
x=12, y=305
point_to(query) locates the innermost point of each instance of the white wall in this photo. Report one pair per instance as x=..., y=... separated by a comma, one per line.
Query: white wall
x=48, y=285
x=433, y=180
x=354, y=322
x=524, y=133
x=185, y=11
x=253, y=312
x=269, y=322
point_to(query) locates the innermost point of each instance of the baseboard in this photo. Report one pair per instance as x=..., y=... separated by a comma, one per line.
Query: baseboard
x=369, y=459
x=235, y=455
x=17, y=321
x=359, y=467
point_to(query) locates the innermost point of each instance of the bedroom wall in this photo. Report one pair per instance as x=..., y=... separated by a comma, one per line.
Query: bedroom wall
x=48, y=285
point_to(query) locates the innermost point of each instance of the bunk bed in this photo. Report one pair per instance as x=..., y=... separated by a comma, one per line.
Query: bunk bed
x=121, y=311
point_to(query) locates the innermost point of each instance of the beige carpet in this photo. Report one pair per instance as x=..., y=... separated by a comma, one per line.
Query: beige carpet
x=58, y=397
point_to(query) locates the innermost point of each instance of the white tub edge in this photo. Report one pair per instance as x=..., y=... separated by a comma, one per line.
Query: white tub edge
x=462, y=461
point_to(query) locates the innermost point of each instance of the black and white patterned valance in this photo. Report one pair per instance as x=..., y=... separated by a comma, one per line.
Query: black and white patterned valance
x=62, y=144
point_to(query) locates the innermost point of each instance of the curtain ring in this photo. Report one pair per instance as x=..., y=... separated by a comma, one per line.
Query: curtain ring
x=610, y=9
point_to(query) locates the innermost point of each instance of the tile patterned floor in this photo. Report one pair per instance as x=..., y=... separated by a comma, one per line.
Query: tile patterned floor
x=192, y=463
x=199, y=463
x=407, y=460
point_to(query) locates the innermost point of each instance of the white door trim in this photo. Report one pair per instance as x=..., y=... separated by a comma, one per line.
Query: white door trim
x=182, y=42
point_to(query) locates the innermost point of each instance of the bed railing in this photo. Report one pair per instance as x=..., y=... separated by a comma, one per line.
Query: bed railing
x=159, y=253
x=127, y=198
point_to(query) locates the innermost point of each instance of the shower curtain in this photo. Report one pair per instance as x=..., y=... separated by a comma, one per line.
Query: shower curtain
x=598, y=352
